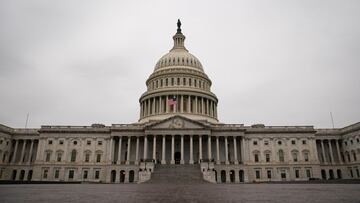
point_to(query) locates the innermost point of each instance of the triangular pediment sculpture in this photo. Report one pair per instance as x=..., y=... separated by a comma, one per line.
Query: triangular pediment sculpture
x=177, y=122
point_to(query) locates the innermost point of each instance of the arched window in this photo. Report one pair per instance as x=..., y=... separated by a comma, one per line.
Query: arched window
x=281, y=155
x=306, y=155
x=73, y=155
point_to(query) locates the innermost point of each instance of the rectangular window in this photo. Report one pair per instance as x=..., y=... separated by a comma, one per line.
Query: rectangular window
x=56, y=174
x=61, y=142
x=71, y=174
x=257, y=174
x=308, y=173
x=266, y=142
x=85, y=176
x=304, y=141
x=45, y=175
x=50, y=142
x=267, y=158
x=297, y=173
x=254, y=142
x=269, y=174
x=48, y=154
x=59, y=157
x=99, y=142
x=283, y=174
x=98, y=158
x=87, y=157
x=256, y=158
x=97, y=174
x=293, y=142
x=88, y=142
x=306, y=156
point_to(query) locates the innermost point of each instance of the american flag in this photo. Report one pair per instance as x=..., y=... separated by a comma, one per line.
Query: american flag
x=172, y=101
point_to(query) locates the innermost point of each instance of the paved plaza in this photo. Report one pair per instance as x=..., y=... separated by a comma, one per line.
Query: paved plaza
x=254, y=193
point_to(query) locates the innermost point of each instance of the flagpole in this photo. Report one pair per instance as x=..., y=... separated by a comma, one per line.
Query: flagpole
x=332, y=119
x=27, y=119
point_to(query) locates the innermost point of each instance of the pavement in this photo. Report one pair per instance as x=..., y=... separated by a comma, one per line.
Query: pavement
x=170, y=192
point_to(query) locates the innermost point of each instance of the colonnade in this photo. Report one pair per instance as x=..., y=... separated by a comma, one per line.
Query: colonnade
x=328, y=155
x=184, y=104
x=23, y=148
x=200, y=140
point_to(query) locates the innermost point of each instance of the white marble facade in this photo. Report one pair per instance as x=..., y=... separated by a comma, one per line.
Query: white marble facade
x=186, y=131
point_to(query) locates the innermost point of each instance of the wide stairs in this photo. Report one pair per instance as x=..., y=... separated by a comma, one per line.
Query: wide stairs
x=177, y=174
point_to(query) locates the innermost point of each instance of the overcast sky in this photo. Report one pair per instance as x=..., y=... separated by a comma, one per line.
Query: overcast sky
x=272, y=62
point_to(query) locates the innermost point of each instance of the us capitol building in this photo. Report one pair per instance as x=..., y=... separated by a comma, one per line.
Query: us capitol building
x=178, y=127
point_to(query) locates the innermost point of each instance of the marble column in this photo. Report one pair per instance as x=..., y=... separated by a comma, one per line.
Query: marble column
x=160, y=105
x=338, y=151
x=172, y=149
x=236, y=161
x=23, y=152
x=226, y=151
x=15, y=150
x=323, y=151
x=31, y=151
x=163, y=160
x=202, y=106
x=189, y=104
x=128, y=151
x=196, y=104
x=137, y=150
x=200, y=148
x=209, y=148
x=145, y=147
x=217, y=150
x=119, y=152
x=182, y=103
x=182, y=150
x=166, y=104
x=191, y=161
x=154, y=148
x=331, y=152
x=242, y=141
x=111, y=150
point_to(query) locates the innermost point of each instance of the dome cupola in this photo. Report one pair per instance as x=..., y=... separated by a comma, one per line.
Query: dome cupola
x=178, y=86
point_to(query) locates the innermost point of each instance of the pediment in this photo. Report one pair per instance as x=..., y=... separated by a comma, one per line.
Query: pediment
x=177, y=122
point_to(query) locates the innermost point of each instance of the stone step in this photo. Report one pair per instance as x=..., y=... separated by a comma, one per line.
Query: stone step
x=178, y=174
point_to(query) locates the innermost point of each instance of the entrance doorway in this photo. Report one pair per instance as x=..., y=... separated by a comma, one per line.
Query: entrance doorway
x=177, y=157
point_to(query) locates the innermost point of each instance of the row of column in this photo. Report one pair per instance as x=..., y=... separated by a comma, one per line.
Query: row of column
x=163, y=155
x=184, y=104
x=13, y=158
x=323, y=153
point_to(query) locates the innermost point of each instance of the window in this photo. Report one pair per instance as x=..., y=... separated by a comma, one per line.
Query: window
x=281, y=155
x=98, y=158
x=75, y=142
x=306, y=156
x=61, y=142
x=293, y=142
x=295, y=156
x=56, y=174
x=357, y=140
x=256, y=157
x=7, y=143
x=87, y=157
x=267, y=156
x=58, y=158
x=279, y=142
x=1, y=141
x=354, y=156
x=266, y=142
x=166, y=82
x=190, y=82
x=178, y=81
x=308, y=173
x=297, y=173
x=88, y=142
x=50, y=142
x=48, y=156
x=351, y=141
x=283, y=174
x=257, y=174
x=254, y=142
x=85, y=176
x=45, y=175
x=73, y=155
x=99, y=142
x=184, y=81
x=172, y=81
x=345, y=143
x=304, y=141
x=71, y=174
x=97, y=174
x=269, y=174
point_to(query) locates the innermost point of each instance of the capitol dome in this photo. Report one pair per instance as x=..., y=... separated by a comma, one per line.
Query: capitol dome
x=178, y=86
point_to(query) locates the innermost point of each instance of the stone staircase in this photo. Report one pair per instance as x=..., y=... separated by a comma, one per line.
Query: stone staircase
x=177, y=174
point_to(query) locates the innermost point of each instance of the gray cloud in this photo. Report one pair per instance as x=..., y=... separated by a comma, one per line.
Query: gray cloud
x=272, y=62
